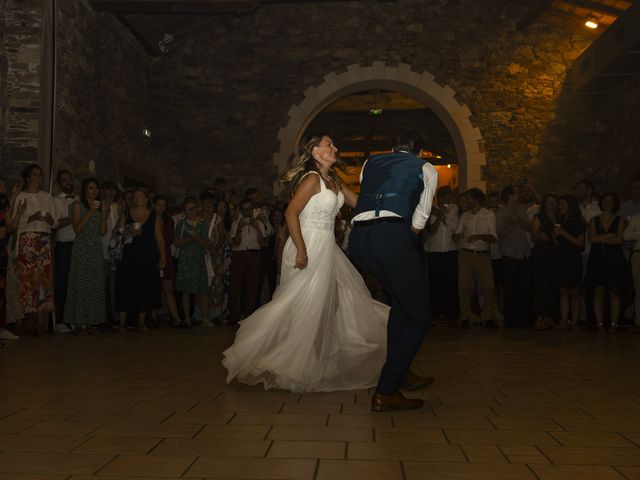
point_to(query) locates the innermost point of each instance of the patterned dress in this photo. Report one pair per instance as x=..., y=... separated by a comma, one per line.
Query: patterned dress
x=191, y=276
x=85, y=303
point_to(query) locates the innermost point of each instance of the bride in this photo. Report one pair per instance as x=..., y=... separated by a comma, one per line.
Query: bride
x=322, y=331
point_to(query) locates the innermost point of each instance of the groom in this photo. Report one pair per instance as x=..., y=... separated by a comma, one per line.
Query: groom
x=396, y=191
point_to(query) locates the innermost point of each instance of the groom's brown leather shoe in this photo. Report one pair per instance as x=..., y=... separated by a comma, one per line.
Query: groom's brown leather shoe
x=395, y=401
x=415, y=382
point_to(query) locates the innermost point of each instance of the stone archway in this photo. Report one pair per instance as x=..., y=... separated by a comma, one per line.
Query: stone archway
x=421, y=86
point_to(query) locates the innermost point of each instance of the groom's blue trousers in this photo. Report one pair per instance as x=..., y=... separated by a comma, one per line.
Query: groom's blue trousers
x=388, y=251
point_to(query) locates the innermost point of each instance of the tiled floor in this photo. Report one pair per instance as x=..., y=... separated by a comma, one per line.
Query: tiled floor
x=506, y=405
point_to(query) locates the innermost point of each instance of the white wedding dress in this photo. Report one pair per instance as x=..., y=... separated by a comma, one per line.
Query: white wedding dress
x=322, y=331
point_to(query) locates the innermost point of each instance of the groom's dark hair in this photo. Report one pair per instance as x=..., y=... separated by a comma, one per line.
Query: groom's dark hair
x=410, y=140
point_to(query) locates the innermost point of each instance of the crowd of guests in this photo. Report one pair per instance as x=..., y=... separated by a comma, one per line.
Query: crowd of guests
x=107, y=258
x=507, y=259
x=112, y=259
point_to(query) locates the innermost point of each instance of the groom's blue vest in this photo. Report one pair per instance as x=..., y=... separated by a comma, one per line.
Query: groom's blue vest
x=393, y=182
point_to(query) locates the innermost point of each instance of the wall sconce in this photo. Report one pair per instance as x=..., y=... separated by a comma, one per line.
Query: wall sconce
x=146, y=132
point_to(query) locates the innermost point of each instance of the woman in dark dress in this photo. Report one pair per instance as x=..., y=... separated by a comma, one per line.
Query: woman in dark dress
x=168, y=273
x=138, y=277
x=570, y=232
x=545, y=289
x=606, y=267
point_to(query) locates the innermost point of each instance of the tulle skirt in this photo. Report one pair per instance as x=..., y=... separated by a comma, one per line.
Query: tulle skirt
x=321, y=332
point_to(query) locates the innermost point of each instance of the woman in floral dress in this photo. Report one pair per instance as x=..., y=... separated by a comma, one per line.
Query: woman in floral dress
x=85, y=303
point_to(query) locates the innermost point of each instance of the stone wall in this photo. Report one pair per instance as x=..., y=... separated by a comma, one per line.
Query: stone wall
x=102, y=93
x=19, y=85
x=615, y=127
x=101, y=90
x=219, y=97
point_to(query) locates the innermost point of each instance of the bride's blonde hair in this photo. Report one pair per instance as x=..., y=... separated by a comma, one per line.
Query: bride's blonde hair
x=304, y=163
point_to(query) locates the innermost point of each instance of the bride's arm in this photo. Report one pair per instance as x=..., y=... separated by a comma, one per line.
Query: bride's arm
x=309, y=186
x=350, y=197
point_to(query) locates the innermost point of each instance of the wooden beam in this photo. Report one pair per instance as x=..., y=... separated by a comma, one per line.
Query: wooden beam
x=596, y=7
x=198, y=7
x=183, y=7
x=534, y=14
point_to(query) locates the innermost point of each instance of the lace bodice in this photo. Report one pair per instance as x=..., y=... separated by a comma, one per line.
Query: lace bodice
x=321, y=209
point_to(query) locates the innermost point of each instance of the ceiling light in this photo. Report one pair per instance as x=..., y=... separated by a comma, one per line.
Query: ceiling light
x=591, y=22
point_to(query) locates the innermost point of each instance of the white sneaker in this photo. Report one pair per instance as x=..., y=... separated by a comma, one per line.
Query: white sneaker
x=7, y=335
x=62, y=328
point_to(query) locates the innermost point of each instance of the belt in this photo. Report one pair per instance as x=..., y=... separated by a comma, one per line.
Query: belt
x=375, y=221
x=474, y=251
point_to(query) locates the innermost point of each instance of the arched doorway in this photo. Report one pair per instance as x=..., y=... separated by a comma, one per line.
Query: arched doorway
x=422, y=87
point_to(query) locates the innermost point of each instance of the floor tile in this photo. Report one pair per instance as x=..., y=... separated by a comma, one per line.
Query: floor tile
x=592, y=455
x=212, y=447
x=52, y=463
x=405, y=451
x=483, y=454
x=310, y=419
x=41, y=443
x=306, y=407
x=153, y=430
x=562, y=472
x=148, y=465
x=500, y=437
x=117, y=445
x=297, y=449
x=408, y=435
x=466, y=471
x=253, y=468
x=336, y=434
x=358, y=470
x=371, y=420
x=234, y=432
x=591, y=439
x=523, y=454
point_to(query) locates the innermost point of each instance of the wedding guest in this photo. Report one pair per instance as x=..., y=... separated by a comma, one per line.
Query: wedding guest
x=219, y=291
x=137, y=276
x=247, y=235
x=632, y=234
x=513, y=224
x=628, y=209
x=475, y=233
x=33, y=214
x=493, y=204
x=606, y=268
x=85, y=302
x=108, y=195
x=278, y=223
x=442, y=257
x=168, y=273
x=64, y=237
x=220, y=190
x=216, y=237
x=570, y=232
x=14, y=311
x=5, y=234
x=545, y=288
x=191, y=274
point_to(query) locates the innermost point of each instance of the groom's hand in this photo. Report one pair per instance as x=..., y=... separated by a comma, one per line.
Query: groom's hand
x=415, y=230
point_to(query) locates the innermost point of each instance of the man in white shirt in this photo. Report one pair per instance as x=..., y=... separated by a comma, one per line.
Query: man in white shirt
x=64, y=237
x=632, y=234
x=248, y=235
x=475, y=234
x=394, y=205
x=442, y=256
